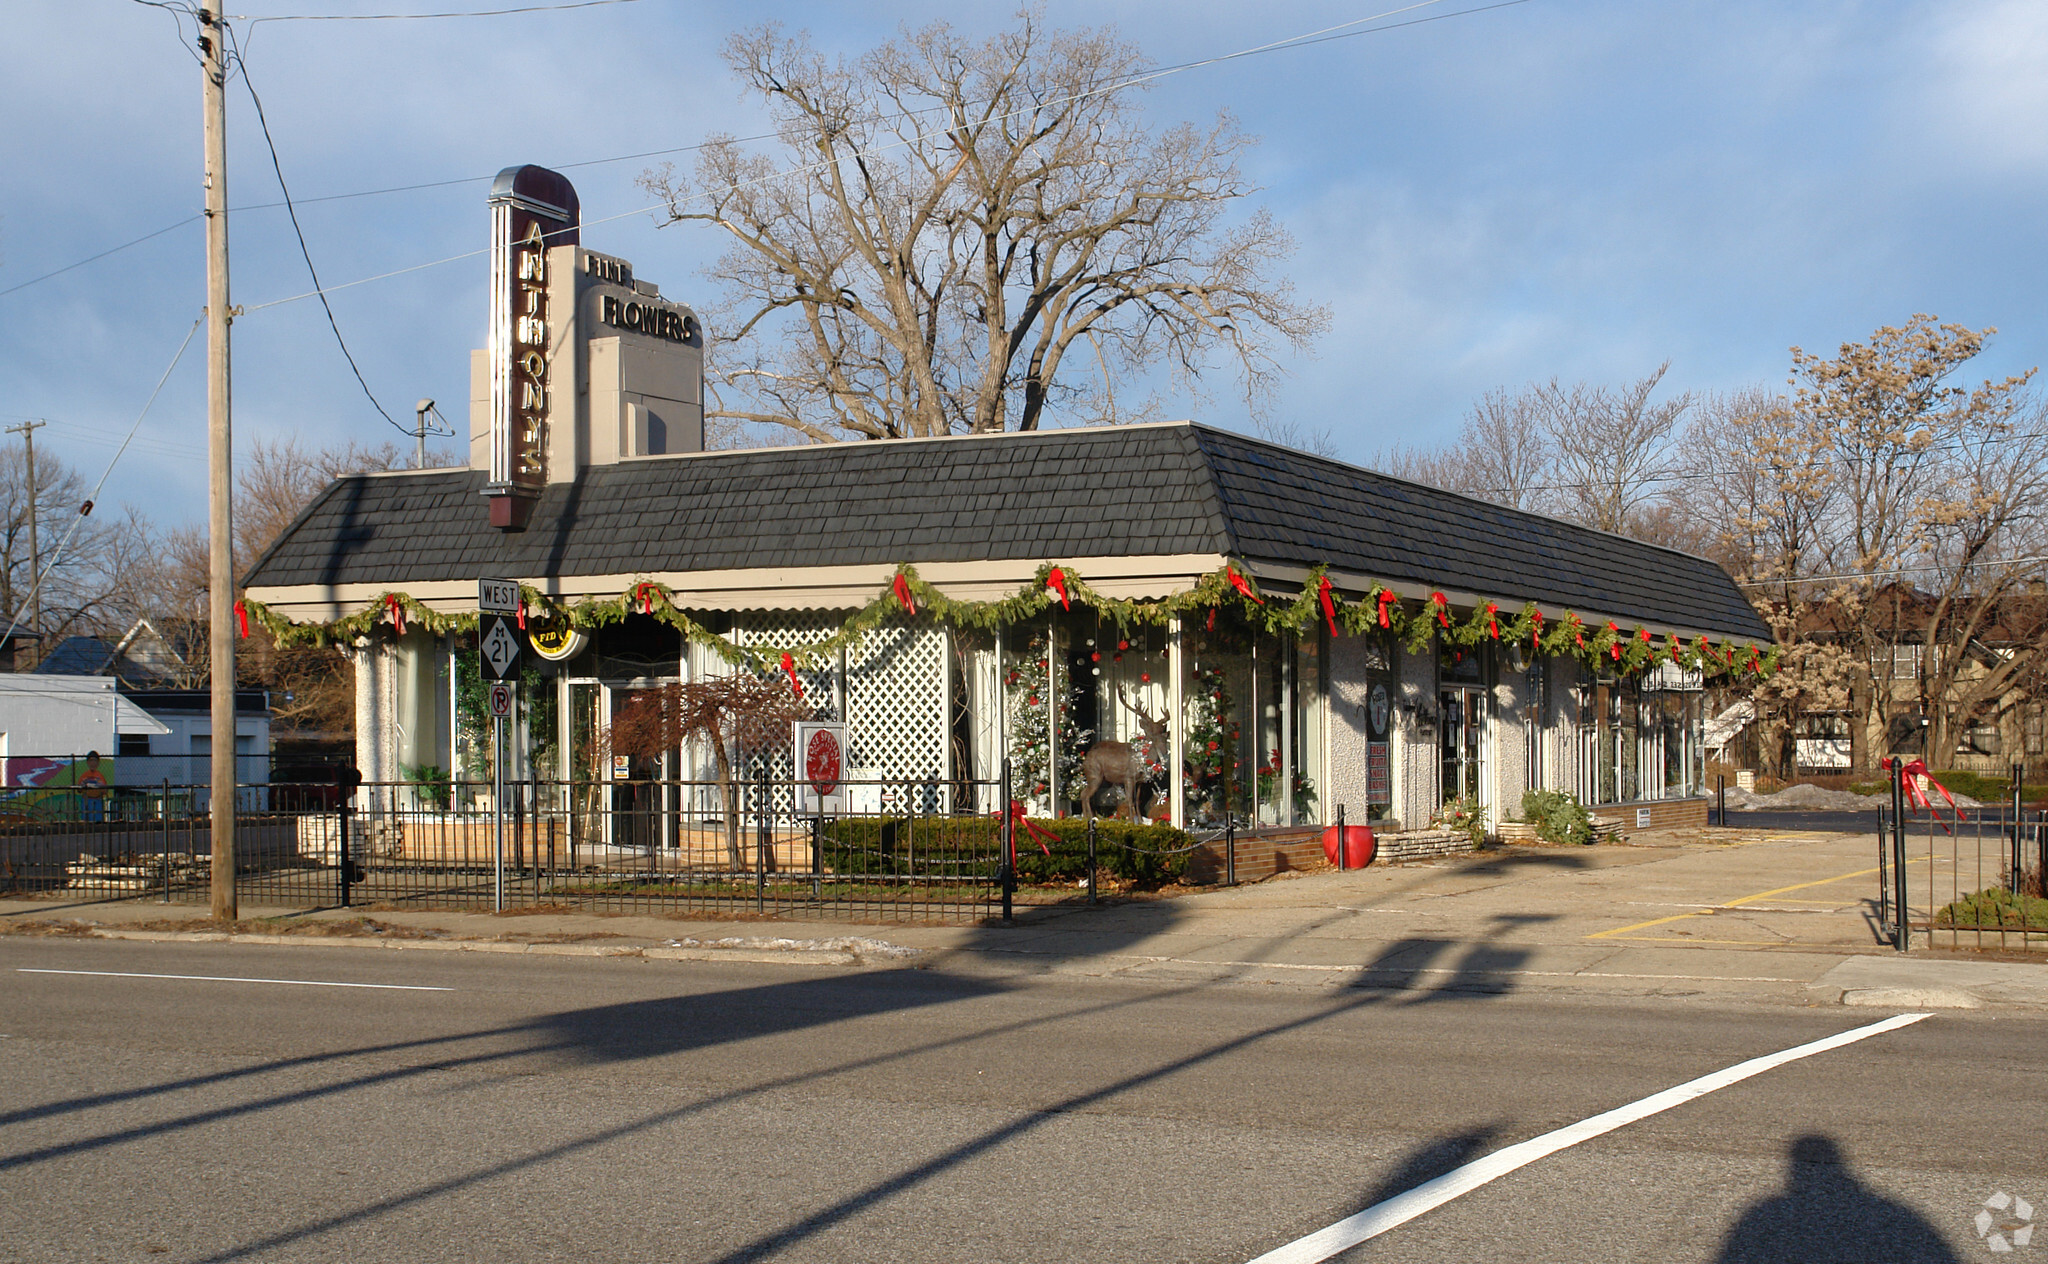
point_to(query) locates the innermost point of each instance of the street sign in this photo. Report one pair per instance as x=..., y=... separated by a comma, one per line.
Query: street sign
x=501, y=699
x=497, y=596
x=499, y=644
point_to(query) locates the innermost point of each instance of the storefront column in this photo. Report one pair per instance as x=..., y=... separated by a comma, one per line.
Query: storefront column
x=1176, y=737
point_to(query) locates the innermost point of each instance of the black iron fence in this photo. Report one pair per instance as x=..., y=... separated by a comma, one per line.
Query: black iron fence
x=896, y=850
x=1968, y=879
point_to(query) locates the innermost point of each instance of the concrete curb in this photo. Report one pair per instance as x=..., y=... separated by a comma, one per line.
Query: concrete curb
x=755, y=956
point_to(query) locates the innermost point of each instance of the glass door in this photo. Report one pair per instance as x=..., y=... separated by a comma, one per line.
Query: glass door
x=1463, y=743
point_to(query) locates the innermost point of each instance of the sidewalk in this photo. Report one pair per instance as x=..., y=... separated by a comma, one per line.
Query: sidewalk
x=1734, y=914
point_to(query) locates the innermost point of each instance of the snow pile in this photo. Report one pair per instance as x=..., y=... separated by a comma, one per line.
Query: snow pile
x=1805, y=798
x=859, y=945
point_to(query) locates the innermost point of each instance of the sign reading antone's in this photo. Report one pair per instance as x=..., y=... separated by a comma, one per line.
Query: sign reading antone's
x=532, y=209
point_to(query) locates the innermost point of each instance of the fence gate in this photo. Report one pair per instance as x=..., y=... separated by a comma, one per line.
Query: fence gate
x=1968, y=878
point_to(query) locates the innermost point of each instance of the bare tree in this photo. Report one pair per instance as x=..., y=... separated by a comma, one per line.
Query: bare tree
x=94, y=563
x=1884, y=516
x=730, y=714
x=1614, y=448
x=975, y=237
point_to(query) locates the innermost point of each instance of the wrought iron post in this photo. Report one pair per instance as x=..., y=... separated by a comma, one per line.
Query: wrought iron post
x=817, y=850
x=1900, y=933
x=1006, y=869
x=163, y=814
x=1721, y=800
x=1884, y=868
x=1343, y=861
x=764, y=842
x=344, y=799
x=1229, y=827
x=2014, y=868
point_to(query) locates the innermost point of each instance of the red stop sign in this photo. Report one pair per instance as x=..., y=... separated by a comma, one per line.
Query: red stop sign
x=822, y=762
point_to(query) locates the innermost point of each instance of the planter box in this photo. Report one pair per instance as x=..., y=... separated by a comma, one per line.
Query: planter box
x=1517, y=832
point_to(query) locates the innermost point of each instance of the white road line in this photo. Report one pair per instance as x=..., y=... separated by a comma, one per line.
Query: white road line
x=215, y=978
x=1453, y=970
x=1399, y=1210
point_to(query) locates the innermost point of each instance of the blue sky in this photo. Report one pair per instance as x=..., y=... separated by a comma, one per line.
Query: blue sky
x=1559, y=187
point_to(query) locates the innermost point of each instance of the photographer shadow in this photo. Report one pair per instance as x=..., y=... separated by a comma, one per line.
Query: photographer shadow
x=1825, y=1215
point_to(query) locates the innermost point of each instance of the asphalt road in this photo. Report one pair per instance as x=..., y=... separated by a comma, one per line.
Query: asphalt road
x=625, y=1110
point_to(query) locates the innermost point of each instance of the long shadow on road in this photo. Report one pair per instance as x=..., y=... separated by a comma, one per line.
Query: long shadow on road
x=664, y=1026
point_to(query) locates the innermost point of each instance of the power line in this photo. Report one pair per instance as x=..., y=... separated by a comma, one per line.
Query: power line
x=1323, y=36
x=304, y=252
x=1896, y=570
x=84, y=510
x=1314, y=37
x=112, y=250
x=252, y=20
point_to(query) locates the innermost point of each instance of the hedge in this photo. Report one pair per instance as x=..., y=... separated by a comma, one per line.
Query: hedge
x=940, y=846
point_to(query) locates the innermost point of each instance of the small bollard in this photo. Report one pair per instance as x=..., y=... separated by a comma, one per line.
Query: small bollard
x=1343, y=862
x=1091, y=860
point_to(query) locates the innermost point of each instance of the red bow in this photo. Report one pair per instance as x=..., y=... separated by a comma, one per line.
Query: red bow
x=1386, y=599
x=1493, y=624
x=1238, y=582
x=242, y=618
x=644, y=594
x=1056, y=581
x=1674, y=649
x=1040, y=834
x=1536, y=629
x=522, y=614
x=1443, y=608
x=1615, y=646
x=397, y=609
x=1643, y=635
x=1212, y=619
x=1911, y=774
x=1329, y=608
x=902, y=589
x=789, y=666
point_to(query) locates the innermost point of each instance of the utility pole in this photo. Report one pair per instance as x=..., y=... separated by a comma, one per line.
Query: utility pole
x=27, y=431
x=220, y=563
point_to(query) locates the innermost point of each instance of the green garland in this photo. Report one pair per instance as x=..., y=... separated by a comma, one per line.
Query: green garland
x=1415, y=624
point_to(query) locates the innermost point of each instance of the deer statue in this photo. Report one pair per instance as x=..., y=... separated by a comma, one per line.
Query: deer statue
x=1118, y=763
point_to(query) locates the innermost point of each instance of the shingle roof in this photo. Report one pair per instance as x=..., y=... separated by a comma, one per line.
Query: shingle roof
x=1133, y=491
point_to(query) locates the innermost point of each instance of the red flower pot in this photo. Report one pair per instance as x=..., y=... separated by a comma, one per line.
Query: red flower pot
x=1359, y=846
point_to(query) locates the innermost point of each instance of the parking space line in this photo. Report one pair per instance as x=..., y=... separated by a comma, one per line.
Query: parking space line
x=215, y=978
x=1739, y=901
x=1400, y=1209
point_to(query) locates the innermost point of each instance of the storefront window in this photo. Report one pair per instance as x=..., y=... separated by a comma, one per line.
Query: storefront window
x=1074, y=683
x=1252, y=712
x=1216, y=658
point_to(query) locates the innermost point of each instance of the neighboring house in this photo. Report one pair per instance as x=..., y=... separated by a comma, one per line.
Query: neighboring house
x=62, y=736
x=1995, y=702
x=152, y=669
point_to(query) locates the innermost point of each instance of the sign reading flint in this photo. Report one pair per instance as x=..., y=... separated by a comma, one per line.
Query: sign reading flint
x=532, y=209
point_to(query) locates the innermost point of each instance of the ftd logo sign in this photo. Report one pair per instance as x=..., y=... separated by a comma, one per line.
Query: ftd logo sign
x=820, y=751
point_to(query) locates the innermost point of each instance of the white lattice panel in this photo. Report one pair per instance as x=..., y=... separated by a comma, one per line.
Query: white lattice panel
x=896, y=710
x=786, y=629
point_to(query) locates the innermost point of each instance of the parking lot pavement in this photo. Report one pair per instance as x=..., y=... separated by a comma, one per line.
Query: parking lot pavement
x=1758, y=914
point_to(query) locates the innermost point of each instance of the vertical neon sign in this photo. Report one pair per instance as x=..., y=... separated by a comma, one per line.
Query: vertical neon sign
x=532, y=209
